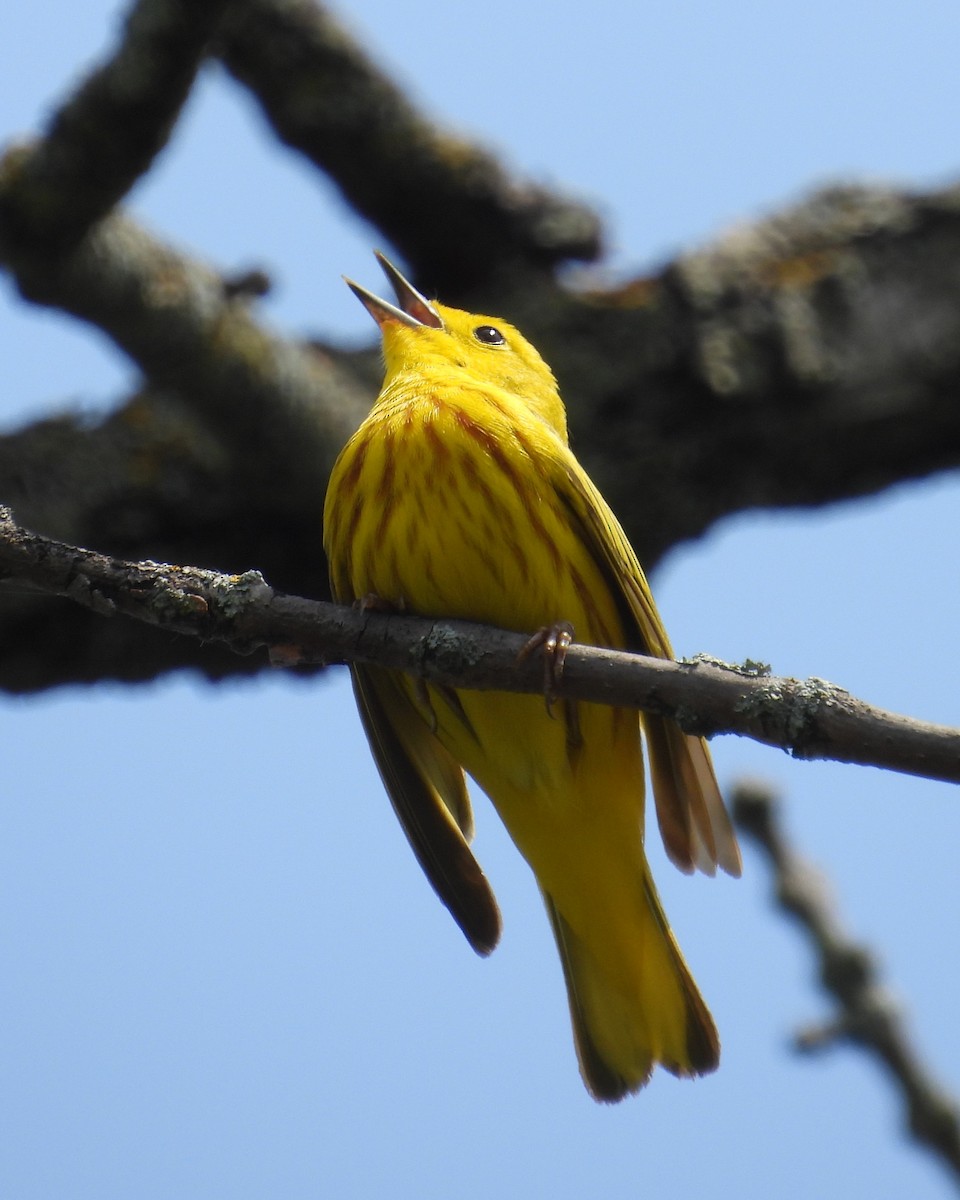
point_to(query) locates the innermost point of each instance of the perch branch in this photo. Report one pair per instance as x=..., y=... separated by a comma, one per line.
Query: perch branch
x=810, y=719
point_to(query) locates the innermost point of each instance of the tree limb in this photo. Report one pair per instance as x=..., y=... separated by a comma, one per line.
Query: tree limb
x=811, y=719
x=421, y=186
x=106, y=135
x=269, y=400
x=849, y=972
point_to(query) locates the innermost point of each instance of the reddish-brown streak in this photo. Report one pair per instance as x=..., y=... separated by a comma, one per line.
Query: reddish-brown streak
x=529, y=495
x=470, y=469
x=356, y=511
x=518, y=554
x=490, y=444
x=352, y=476
x=385, y=484
x=489, y=562
x=494, y=508
x=437, y=444
x=386, y=516
x=540, y=529
x=521, y=487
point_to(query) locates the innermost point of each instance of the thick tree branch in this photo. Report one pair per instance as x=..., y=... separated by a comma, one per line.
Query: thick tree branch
x=805, y=358
x=108, y=132
x=281, y=408
x=421, y=186
x=849, y=971
x=811, y=719
x=797, y=428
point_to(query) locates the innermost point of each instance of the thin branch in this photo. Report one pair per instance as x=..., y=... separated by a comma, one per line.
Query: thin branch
x=811, y=719
x=849, y=972
x=107, y=133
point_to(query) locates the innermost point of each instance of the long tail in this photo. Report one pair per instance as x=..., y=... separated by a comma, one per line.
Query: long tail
x=640, y=1009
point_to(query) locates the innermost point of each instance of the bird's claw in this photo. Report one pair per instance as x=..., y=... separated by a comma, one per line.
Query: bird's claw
x=555, y=640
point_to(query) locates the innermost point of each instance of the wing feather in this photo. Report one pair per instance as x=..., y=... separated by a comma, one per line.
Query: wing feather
x=694, y=823
x=429, y=795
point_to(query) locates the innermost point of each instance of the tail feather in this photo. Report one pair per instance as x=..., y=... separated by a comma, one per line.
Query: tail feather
x=694, y=823
x=631, y=1015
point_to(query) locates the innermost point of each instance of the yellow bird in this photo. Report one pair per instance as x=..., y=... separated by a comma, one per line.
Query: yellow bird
x=460, y=497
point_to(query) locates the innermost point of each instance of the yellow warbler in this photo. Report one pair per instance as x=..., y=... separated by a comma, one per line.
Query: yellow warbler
x=460, y=497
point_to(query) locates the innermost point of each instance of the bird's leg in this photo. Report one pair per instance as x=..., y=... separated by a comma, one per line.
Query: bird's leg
x=555, y=640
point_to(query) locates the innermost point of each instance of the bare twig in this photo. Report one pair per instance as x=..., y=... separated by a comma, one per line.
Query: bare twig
x=811, y=719
x=849, y=971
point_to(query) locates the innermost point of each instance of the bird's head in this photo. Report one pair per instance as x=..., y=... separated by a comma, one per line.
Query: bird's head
x=423, y=337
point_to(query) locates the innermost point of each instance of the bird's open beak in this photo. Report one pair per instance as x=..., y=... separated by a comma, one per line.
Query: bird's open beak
x=415, y=310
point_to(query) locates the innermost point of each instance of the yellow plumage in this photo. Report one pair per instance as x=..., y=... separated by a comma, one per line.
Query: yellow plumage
x=459, y=497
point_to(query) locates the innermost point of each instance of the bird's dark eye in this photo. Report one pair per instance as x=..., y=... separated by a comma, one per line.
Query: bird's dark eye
x=489, y=335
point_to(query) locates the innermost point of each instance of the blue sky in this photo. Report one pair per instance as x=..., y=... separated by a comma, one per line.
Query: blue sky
x=222, y=973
